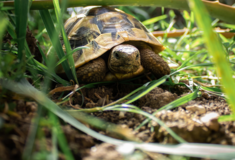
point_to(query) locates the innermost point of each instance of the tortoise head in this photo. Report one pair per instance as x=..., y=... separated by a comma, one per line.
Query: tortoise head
x=124, y=58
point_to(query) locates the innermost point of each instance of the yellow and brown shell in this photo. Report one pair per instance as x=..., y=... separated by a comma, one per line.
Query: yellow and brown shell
x=101, y=28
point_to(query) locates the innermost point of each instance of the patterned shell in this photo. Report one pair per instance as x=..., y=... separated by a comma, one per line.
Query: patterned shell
x=101, y=28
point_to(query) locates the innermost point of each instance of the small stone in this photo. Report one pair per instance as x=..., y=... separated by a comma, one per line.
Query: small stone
x=32, y=106
x=162, y=112
x=122, y=115
x=197, y=108
x=233, y=140
x=126, y=148
x=211, y=120
x=130, y=124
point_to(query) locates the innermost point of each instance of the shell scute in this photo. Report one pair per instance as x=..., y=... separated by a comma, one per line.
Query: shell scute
x=70, y=24
x=99, y=11
x=88, y=35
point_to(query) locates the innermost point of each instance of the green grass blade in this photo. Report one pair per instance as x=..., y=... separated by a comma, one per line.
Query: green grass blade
x=158, y=82
x=21, y=13
x=190, y=58
x=44, y=70
x=46, y=17
x=3, y=26
x=216, y=50
x=226, y=118
x=32, y=136
x=10, y=30
x=215, y=91
x=60, y=136
x=191, y=66
x=154, y=20
x=150, y=87
x=42, y=54
x=181, y=101
x=134, y=109
x=69, y=54
x=65, y=38
x=146, y=88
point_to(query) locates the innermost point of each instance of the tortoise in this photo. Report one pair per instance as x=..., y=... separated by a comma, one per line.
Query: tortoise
x=118, y=46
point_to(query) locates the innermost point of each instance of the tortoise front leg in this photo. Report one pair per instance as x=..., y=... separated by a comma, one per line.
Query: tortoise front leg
x=93, y=71
x=152, y=61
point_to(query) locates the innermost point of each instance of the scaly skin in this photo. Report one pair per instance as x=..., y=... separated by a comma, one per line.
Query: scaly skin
x=93, y=71
x=152, y=61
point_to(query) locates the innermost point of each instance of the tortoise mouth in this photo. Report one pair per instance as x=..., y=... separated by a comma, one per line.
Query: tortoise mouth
x=124, y=68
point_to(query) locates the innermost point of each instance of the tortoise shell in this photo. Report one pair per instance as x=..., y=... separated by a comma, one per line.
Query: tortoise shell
x=102, y=28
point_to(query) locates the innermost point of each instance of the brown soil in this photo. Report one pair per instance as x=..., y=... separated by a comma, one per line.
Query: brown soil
x=196, y=121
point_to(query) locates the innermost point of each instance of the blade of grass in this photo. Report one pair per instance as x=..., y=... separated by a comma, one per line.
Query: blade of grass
x=58, y=133
x=29, y=146
x=69, y=54
x=215, y=91
x=11, y=30
x=42, y=54
x=21, y=13
x=151, y=86
x=103, y=125
x=43, y=70
x=190, y=58
x=216, y=50
x=149, y=116
x=21, y=66
x=226, y=118
x=64, y=35
x=46, y=17
x=154, y=20
x=3, y=26
x=31, y=137
x=160, y=81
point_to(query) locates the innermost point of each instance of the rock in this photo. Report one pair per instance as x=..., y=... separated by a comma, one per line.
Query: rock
x=211, y=120
x=199, y=109
x=157, y=98
x=183, y=124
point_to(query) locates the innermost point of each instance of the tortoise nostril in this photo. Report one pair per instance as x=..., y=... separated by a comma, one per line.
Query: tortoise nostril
x=137, y=56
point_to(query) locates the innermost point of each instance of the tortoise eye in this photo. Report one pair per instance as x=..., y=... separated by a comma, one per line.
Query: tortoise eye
x=116, y=55
x=137, y=56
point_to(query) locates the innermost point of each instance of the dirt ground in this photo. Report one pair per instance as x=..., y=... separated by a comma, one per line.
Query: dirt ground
x=196, y=121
